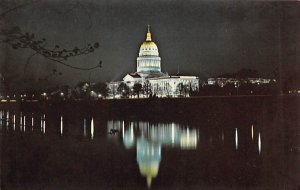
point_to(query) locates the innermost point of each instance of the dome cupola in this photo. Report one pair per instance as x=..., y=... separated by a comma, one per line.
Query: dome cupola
x=148, y=60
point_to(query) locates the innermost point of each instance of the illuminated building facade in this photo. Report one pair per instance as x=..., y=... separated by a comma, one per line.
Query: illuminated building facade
x=223, y=81
x=149, y=75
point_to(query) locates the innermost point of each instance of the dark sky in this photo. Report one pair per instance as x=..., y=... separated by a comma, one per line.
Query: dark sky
x=205, y=38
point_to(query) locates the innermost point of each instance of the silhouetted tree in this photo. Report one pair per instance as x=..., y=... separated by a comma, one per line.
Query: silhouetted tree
x=101, y=88
x=147, y=88
x=180, y=89
x=17, y=39
x=137, y=88
x=123, y=89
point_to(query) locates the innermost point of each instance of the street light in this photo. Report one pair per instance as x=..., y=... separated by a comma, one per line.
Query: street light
x=132, y=94
x=236, y=84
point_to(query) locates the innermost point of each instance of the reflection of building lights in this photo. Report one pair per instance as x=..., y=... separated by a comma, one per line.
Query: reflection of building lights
x=61, y=125
x=173, y=133
x=41, y=123
x=149, y=140
x=236, y=139
x=189, y=139
x=252, y=132
x=223, y=136
x=7, y=118
x=21, y=123
x=43, y=126
x=92, y=128
x=24, y=123
x=14, y=120
x=84, y=127
x=32, y=123
x=259, y=143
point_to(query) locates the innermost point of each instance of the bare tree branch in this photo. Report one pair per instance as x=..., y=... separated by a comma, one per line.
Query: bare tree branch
x=18, y=40
x=4, y=13
x=28, y=61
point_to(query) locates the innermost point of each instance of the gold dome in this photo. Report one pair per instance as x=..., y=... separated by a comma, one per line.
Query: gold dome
x=148, y=47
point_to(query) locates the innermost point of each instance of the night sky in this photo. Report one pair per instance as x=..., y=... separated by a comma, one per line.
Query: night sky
x=203, y=38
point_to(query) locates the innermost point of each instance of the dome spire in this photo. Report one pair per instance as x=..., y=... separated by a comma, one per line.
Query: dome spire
x=148, y=39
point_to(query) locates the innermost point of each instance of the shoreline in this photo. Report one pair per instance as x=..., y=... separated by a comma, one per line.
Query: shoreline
x=154, y=106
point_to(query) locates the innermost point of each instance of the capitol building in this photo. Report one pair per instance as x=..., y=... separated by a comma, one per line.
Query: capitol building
x=149, y=78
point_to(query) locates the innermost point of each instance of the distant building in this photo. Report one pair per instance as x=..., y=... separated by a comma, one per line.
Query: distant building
x=154, y=81
x=224, y=81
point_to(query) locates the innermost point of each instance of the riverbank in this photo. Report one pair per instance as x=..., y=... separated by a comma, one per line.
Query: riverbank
x=160, y=106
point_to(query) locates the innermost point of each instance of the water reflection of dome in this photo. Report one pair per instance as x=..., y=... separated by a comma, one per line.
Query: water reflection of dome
x=148, y=158
x=150, y=137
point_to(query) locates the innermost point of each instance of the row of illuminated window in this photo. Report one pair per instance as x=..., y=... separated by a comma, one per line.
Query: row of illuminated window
x=151, y=64
x=145, y=49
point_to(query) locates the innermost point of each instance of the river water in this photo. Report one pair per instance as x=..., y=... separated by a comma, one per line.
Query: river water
x=233, y=149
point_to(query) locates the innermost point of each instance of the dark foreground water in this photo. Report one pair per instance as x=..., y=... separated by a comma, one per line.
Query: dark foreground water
x=223, y=145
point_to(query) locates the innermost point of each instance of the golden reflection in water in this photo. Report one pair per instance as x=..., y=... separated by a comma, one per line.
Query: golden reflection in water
x=148, y=158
